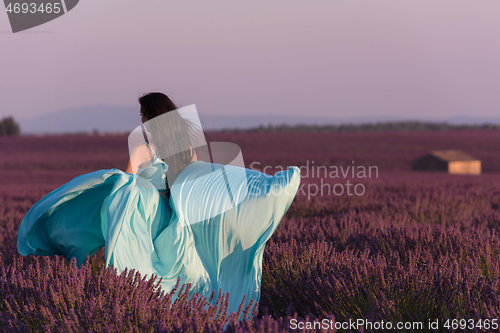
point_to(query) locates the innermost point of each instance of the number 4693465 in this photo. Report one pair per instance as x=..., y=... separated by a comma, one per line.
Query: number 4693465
x=32, y=8
x=471, y=324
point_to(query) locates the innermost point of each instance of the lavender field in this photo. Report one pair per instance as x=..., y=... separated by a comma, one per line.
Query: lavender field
x=414, y=247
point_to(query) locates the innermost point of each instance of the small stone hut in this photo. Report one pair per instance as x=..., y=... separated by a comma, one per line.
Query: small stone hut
x=451, y=161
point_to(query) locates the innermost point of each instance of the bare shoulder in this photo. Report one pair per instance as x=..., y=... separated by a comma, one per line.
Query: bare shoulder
x=141, y=152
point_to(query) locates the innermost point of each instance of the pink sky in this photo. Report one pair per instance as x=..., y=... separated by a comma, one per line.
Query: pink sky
x=338, y=58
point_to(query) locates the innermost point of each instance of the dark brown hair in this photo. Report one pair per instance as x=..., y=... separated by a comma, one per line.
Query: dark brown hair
x=172, y=140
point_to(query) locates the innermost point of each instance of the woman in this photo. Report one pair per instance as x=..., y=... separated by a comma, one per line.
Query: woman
x=170, y=213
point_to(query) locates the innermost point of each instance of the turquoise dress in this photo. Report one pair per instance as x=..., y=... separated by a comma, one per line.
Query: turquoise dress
x=190, y=233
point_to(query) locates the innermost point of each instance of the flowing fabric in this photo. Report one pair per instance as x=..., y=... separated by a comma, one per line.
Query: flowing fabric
x=185, y=235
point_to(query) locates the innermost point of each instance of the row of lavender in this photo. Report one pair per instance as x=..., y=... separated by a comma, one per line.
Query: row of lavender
x=411, y=249
x=414, y=247
x=386, y=150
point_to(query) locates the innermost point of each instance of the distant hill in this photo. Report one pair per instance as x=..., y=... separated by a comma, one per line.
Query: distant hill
x=103, y=118
x=115, y=118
